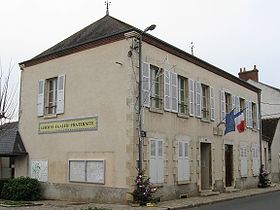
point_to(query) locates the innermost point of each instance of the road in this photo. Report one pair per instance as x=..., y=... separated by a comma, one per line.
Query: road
x=268, y=201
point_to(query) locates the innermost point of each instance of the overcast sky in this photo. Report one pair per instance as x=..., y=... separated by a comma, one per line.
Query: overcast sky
x=226, y=33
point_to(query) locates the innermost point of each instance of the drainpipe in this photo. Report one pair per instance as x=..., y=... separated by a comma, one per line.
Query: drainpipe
x=260, y=125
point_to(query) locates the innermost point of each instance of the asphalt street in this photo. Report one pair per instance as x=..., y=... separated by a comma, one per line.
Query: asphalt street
x=267, y=201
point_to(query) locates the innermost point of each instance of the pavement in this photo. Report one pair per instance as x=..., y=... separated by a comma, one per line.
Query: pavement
x=164, y=205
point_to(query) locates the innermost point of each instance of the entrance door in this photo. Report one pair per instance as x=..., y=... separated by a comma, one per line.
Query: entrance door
x=206, y=166
x=229, y=165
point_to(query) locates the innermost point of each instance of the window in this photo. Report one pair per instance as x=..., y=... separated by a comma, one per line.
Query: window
x=205, y=102
x=156, y=161
x=156, y=87
x=183, y=95
x=92, y=171
x=51, y=96
x=183, y=160
x=228, y=101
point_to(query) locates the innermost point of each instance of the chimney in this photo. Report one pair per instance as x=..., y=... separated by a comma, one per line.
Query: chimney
x=251, y=74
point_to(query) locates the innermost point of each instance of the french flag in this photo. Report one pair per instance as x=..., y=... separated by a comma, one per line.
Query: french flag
x=240, y=121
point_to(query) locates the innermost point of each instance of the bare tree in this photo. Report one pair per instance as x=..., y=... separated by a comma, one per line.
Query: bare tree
x=8, y=95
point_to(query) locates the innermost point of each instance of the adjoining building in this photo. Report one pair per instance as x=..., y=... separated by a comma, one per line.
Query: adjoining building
x=11, y=148
x=79, y=118
x=270, y=115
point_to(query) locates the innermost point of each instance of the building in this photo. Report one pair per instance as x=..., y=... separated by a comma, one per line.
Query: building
x=79, y=118
x=270, y=115
x=11, y=148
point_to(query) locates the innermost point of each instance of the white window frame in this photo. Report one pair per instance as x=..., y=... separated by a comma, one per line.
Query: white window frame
x=183, y=102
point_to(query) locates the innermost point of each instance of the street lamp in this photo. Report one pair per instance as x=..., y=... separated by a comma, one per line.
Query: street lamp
x=140, y=100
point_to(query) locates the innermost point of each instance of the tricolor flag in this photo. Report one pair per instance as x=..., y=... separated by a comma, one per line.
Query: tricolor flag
x=240, y=121
x=235, y=121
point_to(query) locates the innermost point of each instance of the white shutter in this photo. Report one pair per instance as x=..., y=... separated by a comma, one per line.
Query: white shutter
x=146, y=84
x=257, y=112
x=156, y=161
x=237, y=104
x=180, y=161
x=186, y=161
x=233, y=103
x=247, y=114
x=160, y=165
x=243, y=161
x=191, y=97
x=223, y=105
x=250, y=114
x=174, y=92
x=198, y=99
x=255, y=158
x=153, y=162
x=183, y=161
x=167, y=95
x=40, y=98
x=60, y=94
x=212, y=104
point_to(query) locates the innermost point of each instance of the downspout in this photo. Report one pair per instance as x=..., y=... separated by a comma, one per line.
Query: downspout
x=260, y=125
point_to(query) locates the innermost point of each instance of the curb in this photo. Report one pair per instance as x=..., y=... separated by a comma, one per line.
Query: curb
x=218, y=201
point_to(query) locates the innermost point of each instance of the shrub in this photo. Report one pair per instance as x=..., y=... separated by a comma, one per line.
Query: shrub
x=21, y=188
x=2, y=182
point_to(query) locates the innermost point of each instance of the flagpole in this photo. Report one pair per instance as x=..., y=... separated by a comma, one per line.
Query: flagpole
x=221, y=122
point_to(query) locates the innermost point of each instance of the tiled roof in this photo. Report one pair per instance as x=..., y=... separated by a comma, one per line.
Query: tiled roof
x=104, y=27
x=10, y=140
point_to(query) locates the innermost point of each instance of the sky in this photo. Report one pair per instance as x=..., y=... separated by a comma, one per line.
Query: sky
x=229, y=34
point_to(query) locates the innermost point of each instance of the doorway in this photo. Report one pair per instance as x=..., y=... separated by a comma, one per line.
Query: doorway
x=206, y=166
x=228, y=165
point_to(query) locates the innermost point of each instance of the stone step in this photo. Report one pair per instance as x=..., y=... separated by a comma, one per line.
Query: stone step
x=208, y=193
x=231, y=189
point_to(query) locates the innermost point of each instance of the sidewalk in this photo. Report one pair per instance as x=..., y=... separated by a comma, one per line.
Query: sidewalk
x=165, y=205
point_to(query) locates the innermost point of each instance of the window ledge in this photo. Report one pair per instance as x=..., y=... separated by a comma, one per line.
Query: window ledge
x=49, y=116
x=155, y=110
x=255, y=129
x=205, y=120
x=183, y=182
x=185, y=116
x=157, y=184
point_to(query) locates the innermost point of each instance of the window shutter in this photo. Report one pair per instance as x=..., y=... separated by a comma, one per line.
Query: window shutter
x=153, y=162
x=146, y=84
x=258, y=121
x=186, y=161
x=212, y=104
x=60, y=94
x=223, y=106
x=243, y=161
x=198, y=99
x=191, y=97
x=183, y=161
x=247, y=113
x=160, y=173
x=233, y=103
x=237, y=104
x=250, y=114
x=255, y=158
x=174, y=92
x=40, y=98
x=167, y=95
